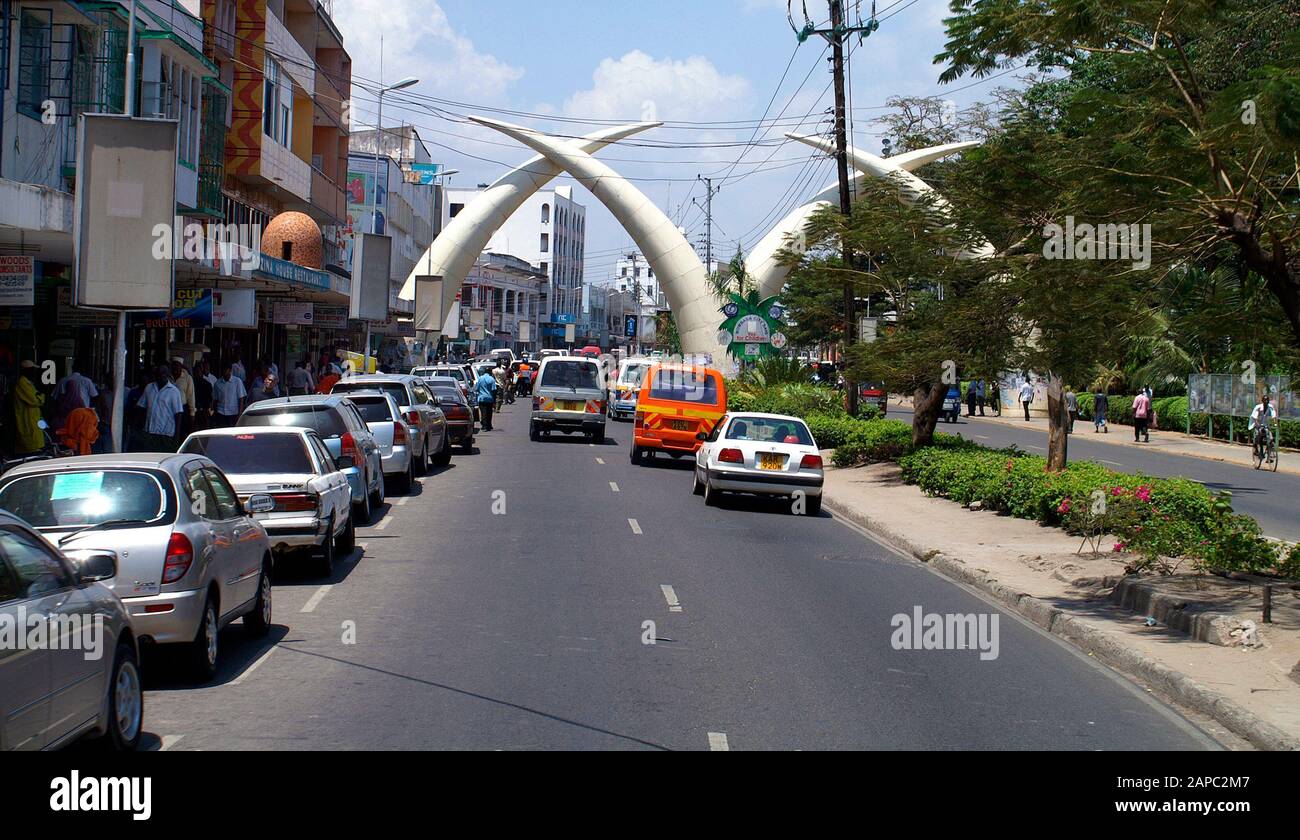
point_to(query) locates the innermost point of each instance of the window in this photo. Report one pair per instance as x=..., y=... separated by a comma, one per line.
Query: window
x=546, y=243
x=36, y=569
x=34, y=59
x=327, y=422
x=546, y=214
x=769, y=430
x=685, y=386
x=253, y=452
x=227, y=501
x=567, y=374
x=201, y=499
x=277, y=114
x=84, y=497
x=373, y=409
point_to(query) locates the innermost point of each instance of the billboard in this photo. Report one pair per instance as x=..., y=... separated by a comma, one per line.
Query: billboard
x=122, y=207
x=360, y=189
x=293, y=312
x=234, y=308
x=370, y=269
x=428, y=303
x=17, y=281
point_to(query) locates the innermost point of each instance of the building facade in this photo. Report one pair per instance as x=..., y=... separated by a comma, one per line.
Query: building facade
x=500, y=294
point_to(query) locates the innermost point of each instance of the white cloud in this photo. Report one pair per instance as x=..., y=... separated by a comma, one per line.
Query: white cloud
x=420, y=41
x=639, y=86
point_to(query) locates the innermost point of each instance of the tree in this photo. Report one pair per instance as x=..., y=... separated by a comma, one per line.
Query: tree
x=1181, y=115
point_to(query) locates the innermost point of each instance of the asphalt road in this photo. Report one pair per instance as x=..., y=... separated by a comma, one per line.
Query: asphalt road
x=504, y=607
x=1269, y=497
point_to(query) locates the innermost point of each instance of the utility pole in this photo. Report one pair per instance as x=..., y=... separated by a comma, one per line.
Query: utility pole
x=709, y=192
x=835, y=37
x=636, y=306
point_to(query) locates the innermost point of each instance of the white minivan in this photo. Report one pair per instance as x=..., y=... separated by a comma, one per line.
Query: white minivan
x=568, y=397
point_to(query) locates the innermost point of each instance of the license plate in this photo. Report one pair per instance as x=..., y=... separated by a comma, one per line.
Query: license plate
x=679, y=425
x=569, y=405
x=770, y=461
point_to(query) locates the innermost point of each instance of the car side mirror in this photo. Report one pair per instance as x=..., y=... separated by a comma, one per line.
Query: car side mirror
x=96, y=566
x=259, y=503
x=345, y=462
x=701, y=436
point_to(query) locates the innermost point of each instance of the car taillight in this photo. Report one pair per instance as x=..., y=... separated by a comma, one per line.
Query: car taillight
x=456, y=412
x=295, y=502
x=399, y=434
x=180, y=554
x=348, y=446
x=537, y=403
x=811, y=462
x=731, y=456
x=413, y=417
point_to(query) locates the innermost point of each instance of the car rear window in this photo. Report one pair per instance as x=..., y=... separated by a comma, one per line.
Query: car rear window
x=769, y=430
x=373, y=409
x=454, y=373
x=633, y=375
x=448, y=394
x=695, y=386
x=73, y=497
x=396, y=390
x=324, y=419
x=570, y=374
x=254, y=452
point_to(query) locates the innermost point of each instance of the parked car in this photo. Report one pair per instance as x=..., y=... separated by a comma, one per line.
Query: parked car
x=341, y=426
x=951, y=404
x=875, y=394
x=763, y=454
x=313, y=502
x=457, y=372
x=428, y=427
x=627, y=384
x=393, y=434
x=190, y=558
x=569, y=397
x=676, y=403
x=53, y=695
x=456, y=408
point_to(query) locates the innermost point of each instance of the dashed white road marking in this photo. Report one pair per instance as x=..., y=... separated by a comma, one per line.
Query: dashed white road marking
x=718, y=742
x=1116, y=463
x=383, y=523
x=613, y=485
x=671, y=597
x=251, y=668
x=636, y=527
x=169, y=741
x=316, y=598
x=600, y=460
x=401, y=500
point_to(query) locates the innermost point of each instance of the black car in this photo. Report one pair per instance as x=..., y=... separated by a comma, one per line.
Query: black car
x=460, y=417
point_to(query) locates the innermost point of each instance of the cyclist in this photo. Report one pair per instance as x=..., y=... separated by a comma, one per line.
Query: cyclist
x=1261, y=419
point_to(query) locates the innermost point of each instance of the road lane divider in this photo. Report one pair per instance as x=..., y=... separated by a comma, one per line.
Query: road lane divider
x=636, y=526
x=251, y=668
x=670, y=595
x=718, y=742
x=613, y=485
x=314, y=601
x=600, y=460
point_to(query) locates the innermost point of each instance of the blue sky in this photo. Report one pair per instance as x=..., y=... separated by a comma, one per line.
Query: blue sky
x=688, y=61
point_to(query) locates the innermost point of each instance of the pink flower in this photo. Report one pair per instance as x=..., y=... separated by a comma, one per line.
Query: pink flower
x=1119, y=546
x=1137, y=528
x=1117, y=491
x=1144, y=493
x=1065, y=506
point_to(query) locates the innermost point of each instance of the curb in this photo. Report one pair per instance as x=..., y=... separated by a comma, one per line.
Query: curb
x=1169, y=684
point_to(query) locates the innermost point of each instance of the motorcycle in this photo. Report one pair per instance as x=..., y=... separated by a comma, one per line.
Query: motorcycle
x=51, y=449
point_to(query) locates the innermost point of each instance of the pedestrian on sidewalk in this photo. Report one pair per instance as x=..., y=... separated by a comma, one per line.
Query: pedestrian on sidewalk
x=979, y=395
x=1071, y=409
x=1099, y=401
x=1027, y=395
x=185, y=384
x=970, y=398
x=227, y=398
x=164, y=412
x=300, y=381
x=1142, y=417
x=485, y=392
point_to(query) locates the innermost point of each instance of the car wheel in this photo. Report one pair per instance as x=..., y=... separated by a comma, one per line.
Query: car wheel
x=711, y=496
x=598, y=437
x=345, y=544
x=443, y=458
x=404, y=482
x=204, y=649
x=125, y=701
x=468, y=446
x=325, y=558
x=636, y=455
x=377, y=495
x=696, y=487
x=422, y=463
x=532, y=433
x=361, y=512
x=813, y=505
x=258, y=621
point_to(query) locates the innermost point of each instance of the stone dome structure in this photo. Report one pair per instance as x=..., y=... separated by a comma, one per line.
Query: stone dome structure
x=296, y=238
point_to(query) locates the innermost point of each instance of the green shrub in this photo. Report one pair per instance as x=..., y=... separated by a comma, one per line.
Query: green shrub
x=1153, y=518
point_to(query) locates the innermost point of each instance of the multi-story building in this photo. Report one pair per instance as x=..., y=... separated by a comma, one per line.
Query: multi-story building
x=548, y=231
x=503, y=290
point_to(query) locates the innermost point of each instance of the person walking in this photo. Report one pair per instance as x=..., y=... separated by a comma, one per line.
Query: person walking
x=1142, y=417
x=204, y=386
x=970, y=398
x=979, y=395
x=300, y=381
x=164, y=412
x=485, y=388
x=28, y=402
x=227, y=398
x=264, y=388
x=185, y=384
x=1071, y=409
x=1027, y=395
x=499, y=374
x=1099, y=406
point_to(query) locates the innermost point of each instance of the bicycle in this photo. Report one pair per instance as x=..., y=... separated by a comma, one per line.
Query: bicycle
x=1264, y=447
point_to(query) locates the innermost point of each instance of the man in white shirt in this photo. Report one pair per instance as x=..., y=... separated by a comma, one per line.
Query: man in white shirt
x=1027, y=395
x=84, y=384
x=1261, y=423
x=164, y=411
x=227, y=398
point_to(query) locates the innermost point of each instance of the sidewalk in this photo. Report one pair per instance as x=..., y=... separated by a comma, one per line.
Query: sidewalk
x=1035, y=571
x=1167, y=442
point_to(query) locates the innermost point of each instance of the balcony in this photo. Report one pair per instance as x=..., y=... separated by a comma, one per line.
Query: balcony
x=328, y=198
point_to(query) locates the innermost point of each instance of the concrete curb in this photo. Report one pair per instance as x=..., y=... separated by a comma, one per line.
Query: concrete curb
x=1085, y=635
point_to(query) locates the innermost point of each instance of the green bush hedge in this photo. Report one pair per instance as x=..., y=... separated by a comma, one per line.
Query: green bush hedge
x=796, y=399
x=1154, y=518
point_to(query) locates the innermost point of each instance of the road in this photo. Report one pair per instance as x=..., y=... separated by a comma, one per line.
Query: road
x=479, y=626
x=1269, y=497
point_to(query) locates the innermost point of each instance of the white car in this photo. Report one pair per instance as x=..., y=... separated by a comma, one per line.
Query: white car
x=764, y=454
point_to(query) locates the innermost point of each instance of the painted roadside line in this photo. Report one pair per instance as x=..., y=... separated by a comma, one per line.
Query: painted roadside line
x=670, y=595
x=636, y=526
x=251, y=668
x=613, y=485
x=718, y=742
x=314, y=601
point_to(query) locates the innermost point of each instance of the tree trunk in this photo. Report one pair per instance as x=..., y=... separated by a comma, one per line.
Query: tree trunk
x=926, y=404
x=1057, y=420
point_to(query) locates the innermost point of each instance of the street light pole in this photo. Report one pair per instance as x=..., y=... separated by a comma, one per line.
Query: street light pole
x=119, y=348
